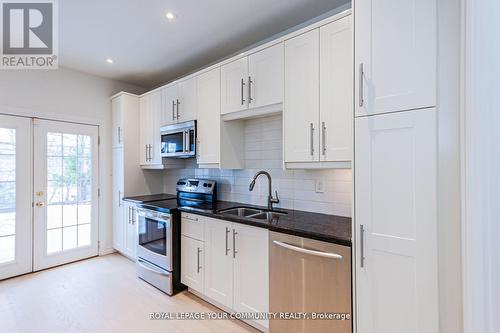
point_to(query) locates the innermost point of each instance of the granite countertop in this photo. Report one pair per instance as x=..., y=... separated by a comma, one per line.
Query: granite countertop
x=150, y=197
x=323, y=227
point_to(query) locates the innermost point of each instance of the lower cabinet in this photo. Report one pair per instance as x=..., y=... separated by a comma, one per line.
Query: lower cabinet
x=228, y=265
x=125, y=230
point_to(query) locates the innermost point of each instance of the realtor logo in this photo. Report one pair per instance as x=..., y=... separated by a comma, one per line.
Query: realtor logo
x=29, y=34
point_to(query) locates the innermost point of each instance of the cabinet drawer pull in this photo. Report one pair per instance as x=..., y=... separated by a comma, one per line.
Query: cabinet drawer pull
x=178, y=108
x=312, y=138
x=227, y=236
x=198, y=267
x=173, y=110
x=250, y=99
x=323, y=138
x=361, y=86
x=234, y=244
x=191, y=219
x=362, y=245
x=242, y=88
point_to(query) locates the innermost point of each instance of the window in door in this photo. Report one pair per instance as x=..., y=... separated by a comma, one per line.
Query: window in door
x=7, y=194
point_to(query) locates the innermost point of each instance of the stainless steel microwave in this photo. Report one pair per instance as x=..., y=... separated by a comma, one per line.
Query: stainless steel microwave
x=178, y=140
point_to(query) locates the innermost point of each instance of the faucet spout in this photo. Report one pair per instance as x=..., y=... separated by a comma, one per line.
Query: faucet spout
x=270, y=199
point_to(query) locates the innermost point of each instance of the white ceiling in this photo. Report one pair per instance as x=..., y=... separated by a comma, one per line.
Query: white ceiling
x=148, y=50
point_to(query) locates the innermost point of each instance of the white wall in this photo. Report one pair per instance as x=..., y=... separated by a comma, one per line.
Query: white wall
x=74, y=96
x=296, y=188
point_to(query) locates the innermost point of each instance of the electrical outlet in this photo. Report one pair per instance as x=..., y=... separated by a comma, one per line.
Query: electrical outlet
x=319, y=186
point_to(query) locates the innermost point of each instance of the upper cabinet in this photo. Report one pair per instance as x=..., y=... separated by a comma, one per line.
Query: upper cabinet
x=254, y=81
x=318, y=113
x=180, y=101
x=151, y=119
x=395, y=58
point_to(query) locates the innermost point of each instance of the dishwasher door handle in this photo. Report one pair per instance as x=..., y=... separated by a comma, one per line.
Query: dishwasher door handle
x=307, y=251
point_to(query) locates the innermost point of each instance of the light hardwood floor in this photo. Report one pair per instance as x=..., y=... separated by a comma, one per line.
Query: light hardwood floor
x=97, y=295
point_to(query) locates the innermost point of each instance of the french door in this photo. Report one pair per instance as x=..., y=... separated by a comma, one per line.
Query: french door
x=65, y=192
x=48, y=194
x=15, y=196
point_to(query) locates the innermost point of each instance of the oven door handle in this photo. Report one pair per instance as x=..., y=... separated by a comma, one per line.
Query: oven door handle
x=151, y=268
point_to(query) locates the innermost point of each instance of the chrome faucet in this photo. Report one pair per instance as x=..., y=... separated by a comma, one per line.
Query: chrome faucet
x=270, y=199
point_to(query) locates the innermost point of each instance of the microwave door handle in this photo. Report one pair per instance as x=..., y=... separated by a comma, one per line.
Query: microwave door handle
x=184, y=142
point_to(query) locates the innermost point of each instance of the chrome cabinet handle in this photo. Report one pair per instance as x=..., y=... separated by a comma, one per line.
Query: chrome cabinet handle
x=323, y=137
x=198, y=261
x=129, y=214
x=119, y=198
x=191, y=219
x=133, y=215
x=242, y=88
x=146, y=150
x=150, y=152
x=250, y=99
x=177, y=108
x=119, y=135
x=173, y=110
x=234, y=243
x=312, y=138
x=361, y=92
x=362, y=245
x=308, y=251
x=227, y=234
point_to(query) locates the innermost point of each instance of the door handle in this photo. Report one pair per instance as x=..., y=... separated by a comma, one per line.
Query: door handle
x=308, y=251
x=323, y=138
x=362, y=245
x=250, y=99
x=227, y=236
x=40, y=204
x=361, y=86
x=234, y=243
x=242, y=88
x=198, y=267
x=173, y=110
x=312, y=138
x=178, y=108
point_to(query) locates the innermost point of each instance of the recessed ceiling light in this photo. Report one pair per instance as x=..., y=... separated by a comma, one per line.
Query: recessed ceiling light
x=170, y=16
x=109, y=60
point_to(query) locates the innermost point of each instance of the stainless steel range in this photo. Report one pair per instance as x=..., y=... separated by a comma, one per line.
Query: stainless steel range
x=158, y=248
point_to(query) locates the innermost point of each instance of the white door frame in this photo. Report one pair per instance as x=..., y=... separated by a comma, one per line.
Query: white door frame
x=480, y=162
x=41, y=259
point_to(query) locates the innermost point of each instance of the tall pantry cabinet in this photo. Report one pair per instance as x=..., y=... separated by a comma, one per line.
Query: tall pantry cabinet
x=126, y=165
x=396, y=166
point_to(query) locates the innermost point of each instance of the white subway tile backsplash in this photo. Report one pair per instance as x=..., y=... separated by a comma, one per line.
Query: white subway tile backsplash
x=296, y=188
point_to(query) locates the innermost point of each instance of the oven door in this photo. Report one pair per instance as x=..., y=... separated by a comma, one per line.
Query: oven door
x=155, y=238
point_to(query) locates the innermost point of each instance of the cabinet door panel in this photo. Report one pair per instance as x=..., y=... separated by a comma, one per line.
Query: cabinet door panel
x=219, y=262
x=396, y=43
x=234, y=92
x=118, y=185
x=144, y=128
x=336, y=79
x=187, y=100
x=192, y=269
x=266, y=72
x=396, y=205
x=169, y=110
x=209, y=118
x=117, y=122
x=301, y=107
x=251, y=270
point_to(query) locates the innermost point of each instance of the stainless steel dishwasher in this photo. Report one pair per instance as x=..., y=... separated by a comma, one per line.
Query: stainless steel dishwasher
x=313, y=277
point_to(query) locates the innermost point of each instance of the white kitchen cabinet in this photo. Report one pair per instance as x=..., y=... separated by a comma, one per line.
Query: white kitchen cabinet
x=131, y=231
x=170, y=104
x=318, y=115
x=128, y=177
x=396, y=222
x=152, y=116
x=336, y=92
x=301, y=108
x=192, y=265
x=219, y=261
x=395, y=58
x=234, y=81
x=253, y=81
x=118, y=192
x=208, y=136
x=251, y=270
x=187, y=103
x=265, y=70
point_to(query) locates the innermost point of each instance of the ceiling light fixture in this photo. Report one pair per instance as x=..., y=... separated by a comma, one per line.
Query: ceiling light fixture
x=170, y=16
x=109, y=60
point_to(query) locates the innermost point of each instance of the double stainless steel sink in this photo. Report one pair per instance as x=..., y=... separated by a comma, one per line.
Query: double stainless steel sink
x=253, y=213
